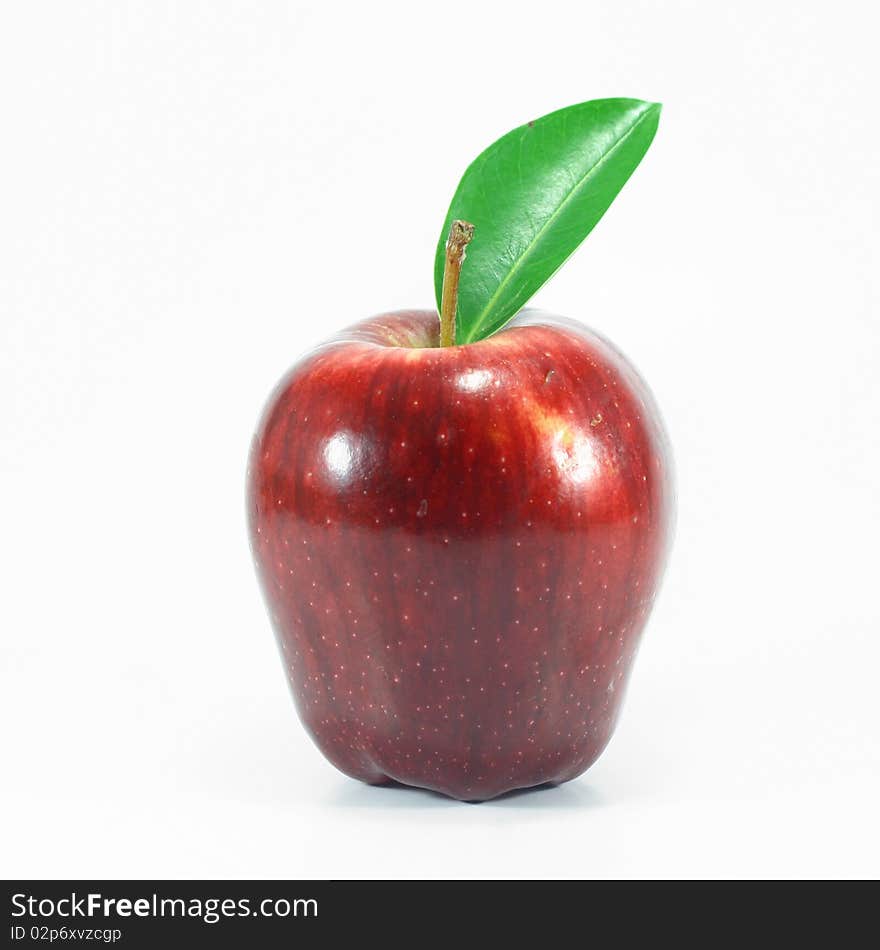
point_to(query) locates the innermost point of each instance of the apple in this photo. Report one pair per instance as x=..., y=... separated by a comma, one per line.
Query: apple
x=460, y=517
x=459, y=547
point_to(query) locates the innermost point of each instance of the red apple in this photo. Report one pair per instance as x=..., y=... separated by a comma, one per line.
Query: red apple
x=459, y=547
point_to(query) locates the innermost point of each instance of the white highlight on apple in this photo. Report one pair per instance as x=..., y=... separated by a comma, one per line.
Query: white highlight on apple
x=339, y=455
x=474, y=380
x=574, y=456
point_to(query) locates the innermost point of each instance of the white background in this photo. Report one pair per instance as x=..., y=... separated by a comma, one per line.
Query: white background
x=190, y=195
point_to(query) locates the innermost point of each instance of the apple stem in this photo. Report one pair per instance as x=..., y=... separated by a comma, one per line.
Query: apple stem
x=460, y=235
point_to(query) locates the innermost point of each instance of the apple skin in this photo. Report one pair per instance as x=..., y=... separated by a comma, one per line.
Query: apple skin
x=459, y=547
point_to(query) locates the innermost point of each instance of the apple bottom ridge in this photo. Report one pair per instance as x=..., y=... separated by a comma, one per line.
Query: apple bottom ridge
x=464, y=780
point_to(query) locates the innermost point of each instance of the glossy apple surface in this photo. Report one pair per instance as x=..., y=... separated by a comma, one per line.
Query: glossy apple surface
x=459, y=547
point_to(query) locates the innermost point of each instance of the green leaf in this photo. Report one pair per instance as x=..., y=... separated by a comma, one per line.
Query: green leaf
x=533, y=197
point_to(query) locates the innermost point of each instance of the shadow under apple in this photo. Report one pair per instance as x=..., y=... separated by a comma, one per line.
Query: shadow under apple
x=546, y=797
